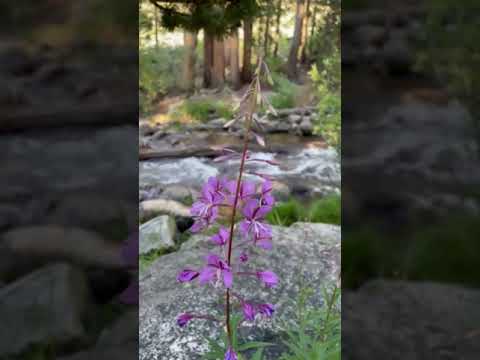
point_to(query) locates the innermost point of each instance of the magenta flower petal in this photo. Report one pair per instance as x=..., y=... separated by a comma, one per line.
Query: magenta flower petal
x=266, y=310
x=221, y=237
x=262, y=211
x=213, y=260
x=250, y=208
x=198, y=226
x=264, y=243
x=207, y=275
x=183, y=319
x=187, y=275
x=267, y=187
x=248, y=311
x=269, y=278
x=230, y=355
x=243, y=257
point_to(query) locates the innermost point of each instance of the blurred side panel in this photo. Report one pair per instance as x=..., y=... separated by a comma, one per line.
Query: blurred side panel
x=68, y=179
x=410, y=179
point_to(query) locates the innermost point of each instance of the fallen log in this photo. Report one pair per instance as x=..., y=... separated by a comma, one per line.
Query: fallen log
x=209, y=152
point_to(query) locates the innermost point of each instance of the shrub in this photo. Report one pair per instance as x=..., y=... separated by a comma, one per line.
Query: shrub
x=316, y=333
x=285, y=90
x=157, y=73
x=202, y=110
x=327, y=210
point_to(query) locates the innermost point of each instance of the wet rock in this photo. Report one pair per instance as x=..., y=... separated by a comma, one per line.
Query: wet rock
x=398, y=56
x=303, y=251
x=306, y=126
x=416, y=317
x=157, y=234
x=295, y=119
x=45, y=307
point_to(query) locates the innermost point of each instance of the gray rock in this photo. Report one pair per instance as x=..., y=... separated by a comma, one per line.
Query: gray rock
x=280, y=191
x=218, y=122
x=295, y=118
x=423, y=320
x=397, y=55
x=304, y=251
x=152, y=208
x=177, y=192
x=157, y=234
x=45, y=307
x=306, y=127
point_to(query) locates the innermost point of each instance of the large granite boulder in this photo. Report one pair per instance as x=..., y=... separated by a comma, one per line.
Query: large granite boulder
x=302, y=252
x=410, y=321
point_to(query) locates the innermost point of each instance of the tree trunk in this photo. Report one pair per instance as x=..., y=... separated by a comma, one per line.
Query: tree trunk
x=278, y=35
x=228, y=50
x=303, y=52
x=314, y=22
x=266, y=35
x=188, y=78
x=218, y=74
x=234, y=60
x=247, y=50
x=156, y=27
x=208, y=60
x=297, y=38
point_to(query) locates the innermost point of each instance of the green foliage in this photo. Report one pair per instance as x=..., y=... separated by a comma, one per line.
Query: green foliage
x=201, y=110
x=284, y=92
x=317, y=333
x=215, y=17
x=326, y=210
x=147, y=259
x=328, y=84
x=217, y=349
x=157, y=73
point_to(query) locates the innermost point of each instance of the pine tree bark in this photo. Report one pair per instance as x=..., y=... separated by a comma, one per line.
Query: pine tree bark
x=208, y=60
x=296, y=41
x=247, y=50
x=156, y=27
x=234, y=60
x=304, y=46
x=266, y=35
x=188, y=76
x=277, y=31
x=218, y=74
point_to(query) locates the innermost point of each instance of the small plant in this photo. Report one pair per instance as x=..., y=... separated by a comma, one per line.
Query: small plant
x=243, y=205
x=285, y=91
x=317, y=333
x=201, y=110
x=326, y=210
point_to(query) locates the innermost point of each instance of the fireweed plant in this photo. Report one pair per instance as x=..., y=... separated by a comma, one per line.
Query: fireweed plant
x=245, y=205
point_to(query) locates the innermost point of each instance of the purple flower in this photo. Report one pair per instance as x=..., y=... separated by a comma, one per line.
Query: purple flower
x=247, y=191
x=264, y=243
x=187, y=275
x=269, y=278
x=230, y=355
x=248, y=311
x=205, y=210
x=266, y=310
x=215, y=269
x=243, y=257
x=221, y=237
x=267, y=198
x=183, y=319
x=252, y=224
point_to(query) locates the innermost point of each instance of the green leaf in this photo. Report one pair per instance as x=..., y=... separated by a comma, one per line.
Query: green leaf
x=253, y=345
